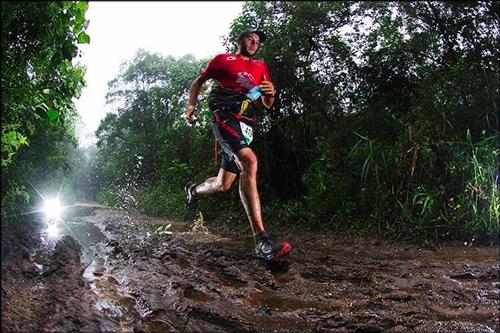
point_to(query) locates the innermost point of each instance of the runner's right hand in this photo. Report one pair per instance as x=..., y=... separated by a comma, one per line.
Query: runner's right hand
x=189, y=116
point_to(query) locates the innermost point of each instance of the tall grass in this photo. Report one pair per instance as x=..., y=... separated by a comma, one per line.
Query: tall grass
x=423, y=193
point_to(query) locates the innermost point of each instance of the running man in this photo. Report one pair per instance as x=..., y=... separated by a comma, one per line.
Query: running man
x=243, y=82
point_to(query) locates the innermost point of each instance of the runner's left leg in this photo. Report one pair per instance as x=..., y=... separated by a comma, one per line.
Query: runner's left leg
x=249, y=194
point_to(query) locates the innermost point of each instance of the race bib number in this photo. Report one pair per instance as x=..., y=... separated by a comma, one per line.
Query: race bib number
x=247, y=132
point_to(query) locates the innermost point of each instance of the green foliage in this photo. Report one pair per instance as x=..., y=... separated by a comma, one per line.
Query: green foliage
x=39, y=83
x=146, y=152
x=16, y=196
x=479, y=201
x=12, y=140
x=368, y=120
x=162, y=199
x=38, y=80
x=108, y=197
x=463, y=202
x=386, y=121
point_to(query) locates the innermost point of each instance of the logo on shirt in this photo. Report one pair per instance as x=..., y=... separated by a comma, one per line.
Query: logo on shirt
x=231, y=58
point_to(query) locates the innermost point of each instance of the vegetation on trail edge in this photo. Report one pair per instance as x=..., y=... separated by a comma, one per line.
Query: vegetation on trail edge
x=39, y=82
x=386, y=121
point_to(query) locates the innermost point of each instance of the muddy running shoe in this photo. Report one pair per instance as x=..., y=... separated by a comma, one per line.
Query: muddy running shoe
x=269, y=250
x=191, y=198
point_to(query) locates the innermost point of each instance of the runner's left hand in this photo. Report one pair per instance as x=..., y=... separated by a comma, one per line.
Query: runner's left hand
x=267, y=88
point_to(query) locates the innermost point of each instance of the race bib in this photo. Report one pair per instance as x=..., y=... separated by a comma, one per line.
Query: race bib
x=247, y=132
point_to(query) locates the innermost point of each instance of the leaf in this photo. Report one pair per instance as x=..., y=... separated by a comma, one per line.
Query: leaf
x=82, y=5
x=23, y=140
x=52, y=114
x=9, y=137
x=43, y=106
x=83, y=38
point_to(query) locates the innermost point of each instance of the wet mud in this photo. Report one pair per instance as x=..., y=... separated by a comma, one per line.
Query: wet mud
x=116, y=271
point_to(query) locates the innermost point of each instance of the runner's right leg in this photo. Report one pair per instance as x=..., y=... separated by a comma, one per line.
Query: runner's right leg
x=222, y=182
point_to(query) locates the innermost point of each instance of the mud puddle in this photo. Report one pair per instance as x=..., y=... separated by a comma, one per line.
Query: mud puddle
x=115, y=306
x=150, y=275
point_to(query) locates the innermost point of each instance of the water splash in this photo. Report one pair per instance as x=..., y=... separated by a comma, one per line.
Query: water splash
x=127, y=190
x=199, y=225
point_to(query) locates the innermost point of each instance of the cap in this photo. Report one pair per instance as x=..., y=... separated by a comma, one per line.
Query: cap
x=261, y=34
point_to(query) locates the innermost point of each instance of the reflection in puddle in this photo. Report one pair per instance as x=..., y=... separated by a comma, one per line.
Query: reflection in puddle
x=117, y=309
x=86, y=233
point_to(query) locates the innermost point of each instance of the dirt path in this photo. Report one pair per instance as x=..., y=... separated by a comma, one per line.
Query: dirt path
x=211, y=282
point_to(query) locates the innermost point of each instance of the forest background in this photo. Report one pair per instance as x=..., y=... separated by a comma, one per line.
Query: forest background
x=386, y=120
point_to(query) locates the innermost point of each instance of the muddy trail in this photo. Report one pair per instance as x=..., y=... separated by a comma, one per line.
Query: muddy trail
x=116, y=271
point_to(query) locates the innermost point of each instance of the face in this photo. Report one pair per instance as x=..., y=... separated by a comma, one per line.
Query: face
x=249, y=44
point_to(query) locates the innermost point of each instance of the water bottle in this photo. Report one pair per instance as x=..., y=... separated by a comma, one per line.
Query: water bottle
x=254, y=93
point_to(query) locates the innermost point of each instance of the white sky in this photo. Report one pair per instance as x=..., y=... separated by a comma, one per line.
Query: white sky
x=118, y=29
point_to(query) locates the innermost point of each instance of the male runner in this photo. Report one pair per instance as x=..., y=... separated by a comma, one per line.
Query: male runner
x=242, y=83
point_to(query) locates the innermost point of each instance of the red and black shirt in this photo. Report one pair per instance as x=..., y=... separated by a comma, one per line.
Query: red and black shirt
x=232, y=71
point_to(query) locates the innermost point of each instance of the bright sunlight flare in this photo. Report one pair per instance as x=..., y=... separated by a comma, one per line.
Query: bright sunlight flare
x=52, y=230
x=52, y=209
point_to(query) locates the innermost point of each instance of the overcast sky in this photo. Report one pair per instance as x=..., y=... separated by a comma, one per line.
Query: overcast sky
x=118, y=29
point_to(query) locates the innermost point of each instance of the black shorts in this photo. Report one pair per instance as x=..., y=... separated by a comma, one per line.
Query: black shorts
x=228, y=132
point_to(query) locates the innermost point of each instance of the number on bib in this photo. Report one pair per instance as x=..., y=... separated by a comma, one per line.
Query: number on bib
x=247, y=132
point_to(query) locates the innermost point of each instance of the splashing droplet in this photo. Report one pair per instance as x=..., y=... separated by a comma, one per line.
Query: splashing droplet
x=199, y=226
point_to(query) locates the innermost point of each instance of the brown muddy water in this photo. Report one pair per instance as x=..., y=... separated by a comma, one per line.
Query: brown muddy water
x=116, y=271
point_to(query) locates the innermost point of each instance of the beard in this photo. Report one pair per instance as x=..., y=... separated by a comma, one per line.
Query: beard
x=244, y=51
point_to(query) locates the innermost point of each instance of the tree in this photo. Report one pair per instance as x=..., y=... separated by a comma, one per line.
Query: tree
x=39, y=81
x=146, y=140
x=386, y=111
x=375, y=100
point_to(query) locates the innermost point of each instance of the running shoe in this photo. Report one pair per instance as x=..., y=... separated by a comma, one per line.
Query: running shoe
x=268, y=250
x=191, y=198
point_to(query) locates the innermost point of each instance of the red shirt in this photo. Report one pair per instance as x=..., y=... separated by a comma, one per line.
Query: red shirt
x=232, y=71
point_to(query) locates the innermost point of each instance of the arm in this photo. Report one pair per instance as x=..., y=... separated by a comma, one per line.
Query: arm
x=268, y=90
x=268, y=93
x=268, y=100
x=193, y=97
